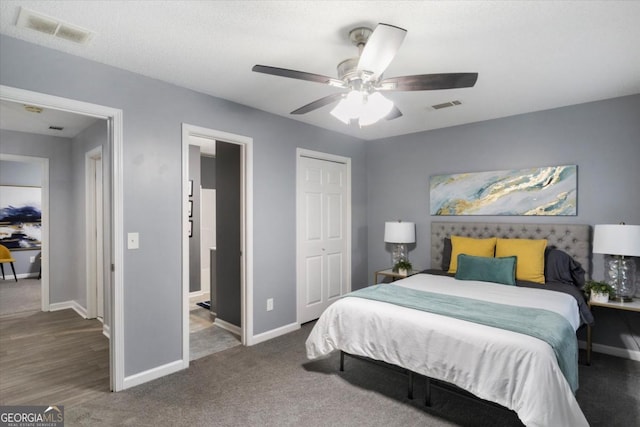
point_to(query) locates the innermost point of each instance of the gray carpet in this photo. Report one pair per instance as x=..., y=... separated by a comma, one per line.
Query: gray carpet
x=273, y=384
x=20, y=296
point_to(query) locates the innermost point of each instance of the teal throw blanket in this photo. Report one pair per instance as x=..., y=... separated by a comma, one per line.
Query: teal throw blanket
x=543, y=324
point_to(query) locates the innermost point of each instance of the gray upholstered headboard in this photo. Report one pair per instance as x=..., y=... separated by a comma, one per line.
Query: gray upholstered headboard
x=574, y=239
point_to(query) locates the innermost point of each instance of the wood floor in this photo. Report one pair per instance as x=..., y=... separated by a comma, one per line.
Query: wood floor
x=52, y=358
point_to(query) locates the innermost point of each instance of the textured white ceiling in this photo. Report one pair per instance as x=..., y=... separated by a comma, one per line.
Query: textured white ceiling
x=530, y=55
x=14, y=116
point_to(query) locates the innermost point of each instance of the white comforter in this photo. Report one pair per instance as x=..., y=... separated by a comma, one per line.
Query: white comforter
x=514, y=370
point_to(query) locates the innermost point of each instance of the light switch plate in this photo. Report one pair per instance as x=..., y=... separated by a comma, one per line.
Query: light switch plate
x=133, y=240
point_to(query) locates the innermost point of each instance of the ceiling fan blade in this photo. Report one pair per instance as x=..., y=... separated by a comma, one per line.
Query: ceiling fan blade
x=381, y=48
x=394, y=114
x=318, y=103
x=429, y=82
x=300, y=75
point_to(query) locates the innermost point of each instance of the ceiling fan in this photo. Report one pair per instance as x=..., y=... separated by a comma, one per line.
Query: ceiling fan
x=363, y=103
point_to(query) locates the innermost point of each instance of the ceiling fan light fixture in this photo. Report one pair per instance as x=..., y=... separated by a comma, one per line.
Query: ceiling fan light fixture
x=367, y=109
x=376, y=108
x=349, y=107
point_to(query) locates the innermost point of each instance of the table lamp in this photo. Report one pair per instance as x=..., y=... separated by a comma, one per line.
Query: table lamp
x=399, y=233
x=618, y=242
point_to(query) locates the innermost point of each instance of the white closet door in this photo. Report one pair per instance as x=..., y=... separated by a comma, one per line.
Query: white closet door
x=322, y=241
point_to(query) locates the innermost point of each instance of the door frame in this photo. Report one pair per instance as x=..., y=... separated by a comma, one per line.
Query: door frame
x=302, y=152
x=246, y=232
x=94, y=241
x=113, y=268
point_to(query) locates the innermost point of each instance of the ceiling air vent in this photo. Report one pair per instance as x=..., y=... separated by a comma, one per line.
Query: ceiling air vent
x=56, y=127
x=446, y=105
x=54, y=27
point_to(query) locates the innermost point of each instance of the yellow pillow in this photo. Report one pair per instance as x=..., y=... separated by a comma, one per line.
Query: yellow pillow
x=530, y=254
x=470, y=246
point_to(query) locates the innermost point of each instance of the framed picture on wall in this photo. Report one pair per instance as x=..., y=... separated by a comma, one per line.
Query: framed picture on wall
x=20, y=217
x=190, y=208
x=190, y=188
x=190, y=228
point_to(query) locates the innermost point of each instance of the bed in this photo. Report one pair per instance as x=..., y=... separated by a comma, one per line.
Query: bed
x=425, y=323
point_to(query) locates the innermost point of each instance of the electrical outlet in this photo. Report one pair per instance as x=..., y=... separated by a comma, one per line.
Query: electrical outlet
x=133, y=241
x=270, y=304
x=32, y=259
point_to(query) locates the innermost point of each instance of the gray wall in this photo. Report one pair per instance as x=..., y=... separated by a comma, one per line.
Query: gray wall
x=27, y=175
x=90, y=138
x=194, y=242
x=58, y=150
x=208, y=172
x=153, y=114
x=602, y=138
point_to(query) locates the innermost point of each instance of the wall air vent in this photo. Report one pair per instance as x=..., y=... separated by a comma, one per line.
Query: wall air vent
x=446, y=105
x=53, y=27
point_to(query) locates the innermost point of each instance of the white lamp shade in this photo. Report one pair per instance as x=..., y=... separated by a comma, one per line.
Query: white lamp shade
x=616, y=239
x=399, y=232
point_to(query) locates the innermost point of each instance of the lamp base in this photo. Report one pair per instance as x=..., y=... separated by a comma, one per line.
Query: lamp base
x=620, y=273
x=399, y=253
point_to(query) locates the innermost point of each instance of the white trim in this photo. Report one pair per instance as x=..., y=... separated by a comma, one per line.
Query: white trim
x=106, y=330
x=9, y=276
x=228, y=326
x=196, y=294
x=274, y=333
x=152, y=374
x=91, y=239
x=625, y=353
x=114, y=117
x=75, y=305
x=246, y=144
x=301, y=152
x=44, y=249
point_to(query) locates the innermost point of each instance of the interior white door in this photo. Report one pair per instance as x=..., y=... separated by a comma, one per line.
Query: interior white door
x=94, y=233
x=99, y=239
x=322, y=269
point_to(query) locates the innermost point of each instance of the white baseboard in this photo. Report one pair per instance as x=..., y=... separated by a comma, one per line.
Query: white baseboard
x=106, y=330
x=199, y=293
x=228, y=326
x=625, y=353
x=9, y=276
x=56, y=306
x=265, y=336
x=152, y=374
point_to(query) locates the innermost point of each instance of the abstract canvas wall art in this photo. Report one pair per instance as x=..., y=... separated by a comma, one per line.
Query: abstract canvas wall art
x=548, y=190
x=20, y=217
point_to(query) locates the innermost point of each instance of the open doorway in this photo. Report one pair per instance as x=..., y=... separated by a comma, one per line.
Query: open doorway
x=114, y=253
x=24, y=190
x=208, y=143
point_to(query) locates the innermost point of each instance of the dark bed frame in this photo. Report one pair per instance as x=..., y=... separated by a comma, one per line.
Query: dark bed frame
x=574, y=239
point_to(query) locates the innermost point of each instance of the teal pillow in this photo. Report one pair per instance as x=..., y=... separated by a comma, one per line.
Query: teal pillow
x=487, y=269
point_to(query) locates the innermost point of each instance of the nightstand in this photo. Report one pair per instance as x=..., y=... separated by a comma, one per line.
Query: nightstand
x=394, y=276
x=615, y=305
